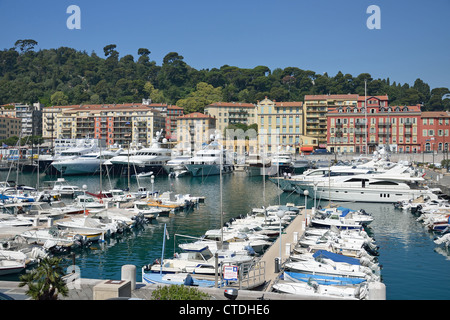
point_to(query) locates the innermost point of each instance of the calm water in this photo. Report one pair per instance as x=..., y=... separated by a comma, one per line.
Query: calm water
x=414, y=268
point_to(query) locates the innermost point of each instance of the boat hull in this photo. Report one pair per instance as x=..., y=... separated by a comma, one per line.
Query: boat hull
x=77, y=167
x=378, y=195
x=198, y=170
x=11, y=267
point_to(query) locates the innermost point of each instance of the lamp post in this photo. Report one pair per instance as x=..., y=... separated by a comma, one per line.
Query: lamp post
x=306, y=193
x=280, y=214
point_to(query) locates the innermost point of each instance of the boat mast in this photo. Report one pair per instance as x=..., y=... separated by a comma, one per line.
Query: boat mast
x=163, y=247
x=221, y=199
x=365, y=110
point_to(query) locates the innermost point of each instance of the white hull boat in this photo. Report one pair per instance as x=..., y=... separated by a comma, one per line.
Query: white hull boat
x=337, y=269
x=322, y=291
x=12, y=262
x=198, y=259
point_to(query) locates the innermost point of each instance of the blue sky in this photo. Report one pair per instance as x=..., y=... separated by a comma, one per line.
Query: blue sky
x=321, y=35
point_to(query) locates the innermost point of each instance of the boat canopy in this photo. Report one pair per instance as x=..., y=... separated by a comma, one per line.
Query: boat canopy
x=335, y=257
x=344, y=211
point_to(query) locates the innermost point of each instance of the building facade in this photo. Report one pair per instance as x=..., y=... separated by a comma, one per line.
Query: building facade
x=194, y=131
x=315, y=110
x=173, y=113
x=281, y=126
x=10, y=127
x=371, y=123
x=30, y=117
x=227, y=113
x=125, y=124
x=434, y=127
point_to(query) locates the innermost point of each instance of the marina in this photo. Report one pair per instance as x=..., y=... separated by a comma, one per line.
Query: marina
x=402, y=240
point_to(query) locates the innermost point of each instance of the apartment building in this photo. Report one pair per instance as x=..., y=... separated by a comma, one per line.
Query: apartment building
x=315, y=110
x=30, y=117
x=10, y=127
x=371, y=123
x=281, y=125
x=434, y=129
x=173, y=113
x=227, y=113
x=124, y=124
x=194, y=130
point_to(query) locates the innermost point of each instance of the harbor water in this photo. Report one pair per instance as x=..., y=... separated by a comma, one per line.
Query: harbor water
x=413, y=266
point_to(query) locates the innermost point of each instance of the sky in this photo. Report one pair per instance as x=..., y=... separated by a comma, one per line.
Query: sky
x=413, y=40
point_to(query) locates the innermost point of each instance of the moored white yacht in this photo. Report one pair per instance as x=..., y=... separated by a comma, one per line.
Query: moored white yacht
x=145, y=159
x=396, y=184
x=208, y=161
x=78, y=148
x=88, y=163
x=176, y=165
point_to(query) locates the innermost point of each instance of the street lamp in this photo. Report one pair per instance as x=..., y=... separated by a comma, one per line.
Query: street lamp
x=280, y=214
x=306, y=193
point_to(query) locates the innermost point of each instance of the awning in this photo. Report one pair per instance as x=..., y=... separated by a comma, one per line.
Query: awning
x=307, y=149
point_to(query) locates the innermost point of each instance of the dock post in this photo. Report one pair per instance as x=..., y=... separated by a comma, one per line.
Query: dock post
x=129, y=273
x=277, y=265
x=377, y=291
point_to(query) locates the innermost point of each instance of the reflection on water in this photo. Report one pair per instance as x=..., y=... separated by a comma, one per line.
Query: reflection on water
x=413, y=266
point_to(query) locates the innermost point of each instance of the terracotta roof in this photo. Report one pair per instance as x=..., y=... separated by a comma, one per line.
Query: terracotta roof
x=288, y=103
x=5, y=116
x=331, y=96
x=362, y=98
x=195, y=115
x=231, y=104
x=435, y=114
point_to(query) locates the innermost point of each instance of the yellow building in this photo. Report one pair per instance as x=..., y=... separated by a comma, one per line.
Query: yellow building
x=315, y=109
x=280, y=126
x=227, y=113
x=194, y=130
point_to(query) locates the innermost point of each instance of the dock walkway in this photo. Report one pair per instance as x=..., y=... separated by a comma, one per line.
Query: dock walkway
x=288, y=237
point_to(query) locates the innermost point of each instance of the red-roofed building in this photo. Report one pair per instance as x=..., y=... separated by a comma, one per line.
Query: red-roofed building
x=353, y=127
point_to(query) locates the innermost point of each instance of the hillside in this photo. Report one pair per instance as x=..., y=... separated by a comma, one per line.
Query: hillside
x=67, y=76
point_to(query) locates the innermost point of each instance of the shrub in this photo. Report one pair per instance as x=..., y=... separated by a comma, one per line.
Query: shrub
x=178, y=292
